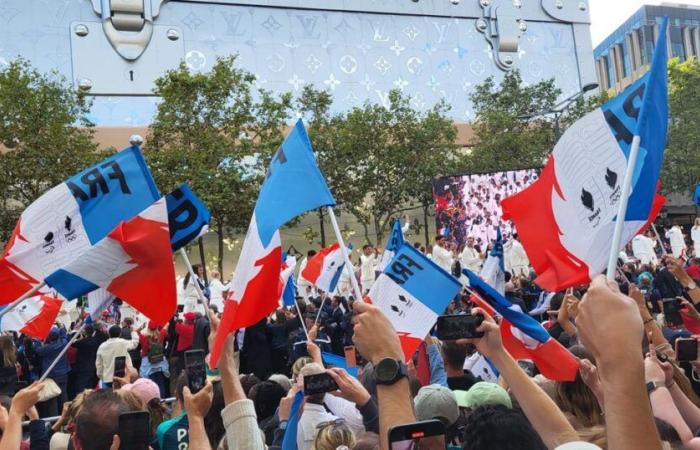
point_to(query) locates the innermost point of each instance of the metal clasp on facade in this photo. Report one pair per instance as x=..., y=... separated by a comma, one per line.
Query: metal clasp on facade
x=502, y=25
x=128, y=24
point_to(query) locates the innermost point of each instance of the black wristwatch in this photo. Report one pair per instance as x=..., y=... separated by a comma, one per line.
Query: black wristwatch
x=389, y=371
x=653, y=385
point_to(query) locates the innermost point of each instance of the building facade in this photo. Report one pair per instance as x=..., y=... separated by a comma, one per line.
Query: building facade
x=357, y=49
x=625, y=55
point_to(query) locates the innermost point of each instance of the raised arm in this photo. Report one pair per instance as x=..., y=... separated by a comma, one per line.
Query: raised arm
x=541, y=411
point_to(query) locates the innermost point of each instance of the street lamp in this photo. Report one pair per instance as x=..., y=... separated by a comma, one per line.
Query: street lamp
x=562, y=106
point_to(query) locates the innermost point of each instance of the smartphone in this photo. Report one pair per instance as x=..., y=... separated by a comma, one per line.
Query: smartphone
x=120, y=366
x=686, y=349
x=134, y=430
x=196, y=370
x=350, y=356
x=319, y=384
x=426, y=435
x=672, y=314
x=180, y=308
x=459, y=326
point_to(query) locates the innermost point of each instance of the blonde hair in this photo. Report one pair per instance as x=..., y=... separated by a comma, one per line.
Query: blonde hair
x=134, y=402
x=7, y=347
x=298, y=364
x=333, y=436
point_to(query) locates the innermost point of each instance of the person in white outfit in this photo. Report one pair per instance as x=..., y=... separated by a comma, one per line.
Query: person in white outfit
x=216, y=290
x=192, y=301
x=516, y=260
x=675, y=236
x=470, y=258
x=441, y=255
x=643, y=248
x=695, y=237
x=368, y=263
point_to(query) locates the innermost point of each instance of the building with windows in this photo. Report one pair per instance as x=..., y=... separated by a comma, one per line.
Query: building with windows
x=625, y=55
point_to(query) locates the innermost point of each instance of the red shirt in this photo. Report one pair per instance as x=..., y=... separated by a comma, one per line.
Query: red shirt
x=185, y=333
x=143, y=340
x=694, y=272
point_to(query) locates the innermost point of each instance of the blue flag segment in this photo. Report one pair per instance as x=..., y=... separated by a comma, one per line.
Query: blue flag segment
x=642, y=110
x=422, y=278
x=289, y=442
x=293, y=185
x=331, y=359
x=188, y=217
x=505, y=308
x=115, y=189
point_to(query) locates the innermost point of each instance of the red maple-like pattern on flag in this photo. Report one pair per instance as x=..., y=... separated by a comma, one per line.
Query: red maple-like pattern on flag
x=40, y=326
x=13, y=281
x=148, y=286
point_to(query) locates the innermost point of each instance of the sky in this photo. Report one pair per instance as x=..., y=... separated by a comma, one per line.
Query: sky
x=607, y=15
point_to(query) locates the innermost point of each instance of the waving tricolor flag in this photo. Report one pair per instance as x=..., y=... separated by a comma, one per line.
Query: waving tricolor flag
x=287, y=287
x=523, y=336
x=566, y=218
x=293, y=185
x=323, y=270
x=133, y=262
x=395, y=241
x=412, y=292
x=34, y=317
x=72, y=217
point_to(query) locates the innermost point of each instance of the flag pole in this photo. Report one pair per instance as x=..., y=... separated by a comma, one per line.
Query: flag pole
x=22, y=298
x=200, y=294
x=63, y=352
x=346, y=257
x=320, y=308
x=301, y=318
x=622, y=208
x=661, y=243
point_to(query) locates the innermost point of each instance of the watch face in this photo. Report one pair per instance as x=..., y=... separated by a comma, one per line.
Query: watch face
x=386, y=370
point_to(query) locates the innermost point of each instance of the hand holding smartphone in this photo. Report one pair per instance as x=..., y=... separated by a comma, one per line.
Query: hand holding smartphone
x=134, y=430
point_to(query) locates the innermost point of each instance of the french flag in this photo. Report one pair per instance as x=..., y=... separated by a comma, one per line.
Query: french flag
x=293, y=185
x=133, y=262
x=412, y=292
x=323, y=270
x=395, y=241
x=73, y=216
x=566, y=218
x=523, y=336
x=33, y=317
x=287, y=288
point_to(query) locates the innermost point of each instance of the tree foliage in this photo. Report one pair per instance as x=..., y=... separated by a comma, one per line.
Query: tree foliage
x=508, y=132
x=45, y=134
x=681, y=171
x=215, y=132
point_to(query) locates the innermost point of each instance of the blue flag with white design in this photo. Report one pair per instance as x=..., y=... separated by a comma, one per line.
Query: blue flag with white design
x=395, y=241
x=412, y=292
x=493, y=272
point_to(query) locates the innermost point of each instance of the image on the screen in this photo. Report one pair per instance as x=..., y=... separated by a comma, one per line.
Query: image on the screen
x=470, y=205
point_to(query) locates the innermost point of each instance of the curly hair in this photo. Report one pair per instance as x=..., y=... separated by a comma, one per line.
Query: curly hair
x=491, y=427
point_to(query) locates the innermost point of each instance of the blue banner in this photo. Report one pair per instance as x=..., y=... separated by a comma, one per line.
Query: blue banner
x=188, y=217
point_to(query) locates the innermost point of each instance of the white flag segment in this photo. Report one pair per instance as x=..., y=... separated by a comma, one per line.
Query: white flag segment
x=33, y=317
x=409, y=317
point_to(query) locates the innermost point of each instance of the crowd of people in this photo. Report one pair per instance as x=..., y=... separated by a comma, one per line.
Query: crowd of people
x=469, y=206
x=633, y=391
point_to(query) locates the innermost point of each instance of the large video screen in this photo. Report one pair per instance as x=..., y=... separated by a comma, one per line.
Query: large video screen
x=470, y=205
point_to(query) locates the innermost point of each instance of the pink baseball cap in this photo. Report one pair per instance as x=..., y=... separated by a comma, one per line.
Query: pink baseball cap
x=144, y=388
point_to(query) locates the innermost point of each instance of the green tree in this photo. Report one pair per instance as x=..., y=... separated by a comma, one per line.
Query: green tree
x=215, y=132
x=46, y=135
x=681, y=170
x=507, y=133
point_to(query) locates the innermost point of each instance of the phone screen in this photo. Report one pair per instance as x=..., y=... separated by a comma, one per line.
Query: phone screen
x=196, y=370
x=134, y=430
x=319, y=384
x=426, y=435
x=686, y=349
x=350, y=356
x=458, y=326
x=180, y=308
x=120, y=366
